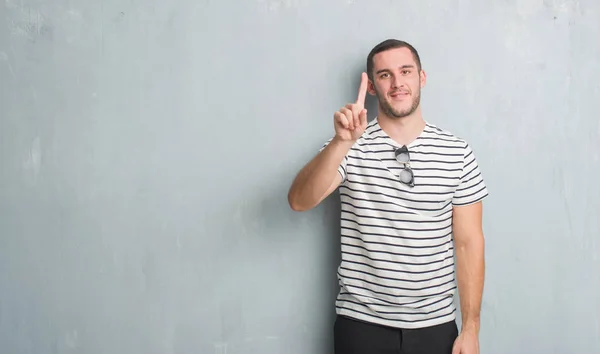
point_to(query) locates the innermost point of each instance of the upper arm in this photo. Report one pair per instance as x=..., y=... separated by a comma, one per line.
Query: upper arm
x=471, y=188
x=339, y=177
x=467, y=223
x=467, y=200
x=334, y=185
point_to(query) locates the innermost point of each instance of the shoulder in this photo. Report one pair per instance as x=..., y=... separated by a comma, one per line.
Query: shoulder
x=446, y=137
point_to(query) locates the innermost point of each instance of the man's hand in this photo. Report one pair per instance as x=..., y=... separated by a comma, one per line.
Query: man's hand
x=320, y=177
x=351, y=120
x=466, y=343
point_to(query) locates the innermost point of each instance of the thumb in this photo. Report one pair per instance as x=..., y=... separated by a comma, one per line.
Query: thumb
x=456, y=346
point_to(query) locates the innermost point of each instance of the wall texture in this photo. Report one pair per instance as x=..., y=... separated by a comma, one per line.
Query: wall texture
x=147, y=146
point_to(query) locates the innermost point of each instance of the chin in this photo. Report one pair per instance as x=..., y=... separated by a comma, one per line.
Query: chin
x=402, y=111
x=402, y=108
x=401, y=115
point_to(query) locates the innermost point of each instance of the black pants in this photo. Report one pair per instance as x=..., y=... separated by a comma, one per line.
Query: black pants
x=357, y=337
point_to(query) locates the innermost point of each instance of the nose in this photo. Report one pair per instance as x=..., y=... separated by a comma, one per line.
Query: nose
x=397, y=82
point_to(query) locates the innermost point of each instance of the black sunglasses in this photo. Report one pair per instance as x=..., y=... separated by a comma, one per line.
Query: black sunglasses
x=406, y=175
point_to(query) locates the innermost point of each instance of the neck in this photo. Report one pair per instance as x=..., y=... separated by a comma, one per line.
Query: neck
x=402, y=130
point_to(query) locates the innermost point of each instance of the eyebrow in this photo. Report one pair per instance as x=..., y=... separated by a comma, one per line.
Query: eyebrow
x=407, y=66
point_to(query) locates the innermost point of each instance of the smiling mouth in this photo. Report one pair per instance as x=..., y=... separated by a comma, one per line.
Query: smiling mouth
x=399, y=95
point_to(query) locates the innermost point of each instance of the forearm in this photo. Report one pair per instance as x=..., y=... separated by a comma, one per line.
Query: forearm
x=314, y=181
x=470, y=269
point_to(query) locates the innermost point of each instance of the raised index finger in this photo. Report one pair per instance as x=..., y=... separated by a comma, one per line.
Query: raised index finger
x=362, y=91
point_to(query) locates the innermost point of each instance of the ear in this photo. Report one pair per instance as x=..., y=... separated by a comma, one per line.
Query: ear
x=423, y=78
x=371, y=88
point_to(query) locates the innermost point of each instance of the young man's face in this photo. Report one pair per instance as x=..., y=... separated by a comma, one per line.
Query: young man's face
x=397, y=82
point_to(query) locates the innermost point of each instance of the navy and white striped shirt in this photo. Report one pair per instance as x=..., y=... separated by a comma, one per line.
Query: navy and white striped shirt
x=397, y=265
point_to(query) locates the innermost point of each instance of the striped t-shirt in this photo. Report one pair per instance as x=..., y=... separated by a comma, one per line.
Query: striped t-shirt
x=397, y=266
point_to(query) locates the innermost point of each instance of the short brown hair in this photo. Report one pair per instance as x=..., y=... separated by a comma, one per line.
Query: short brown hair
x=387, y=45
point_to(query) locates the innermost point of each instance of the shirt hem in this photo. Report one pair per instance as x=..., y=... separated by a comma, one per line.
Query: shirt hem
x=397, y=323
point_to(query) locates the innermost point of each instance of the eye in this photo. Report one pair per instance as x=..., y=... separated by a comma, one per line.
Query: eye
x=405, y=72
x=384, y=75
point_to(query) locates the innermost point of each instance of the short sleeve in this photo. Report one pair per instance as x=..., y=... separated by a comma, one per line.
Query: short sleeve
x=342, y=166
x=472, y=187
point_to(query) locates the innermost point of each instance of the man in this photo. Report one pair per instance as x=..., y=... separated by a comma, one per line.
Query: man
x=411, y=200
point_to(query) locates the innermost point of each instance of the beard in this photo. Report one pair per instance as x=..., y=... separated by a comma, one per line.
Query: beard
x=392, y=112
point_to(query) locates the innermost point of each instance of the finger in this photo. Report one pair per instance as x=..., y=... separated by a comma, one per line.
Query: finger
x=349, y=117
x=363, y=118
x=362, y=91
x=355, y=109
x=341, y=119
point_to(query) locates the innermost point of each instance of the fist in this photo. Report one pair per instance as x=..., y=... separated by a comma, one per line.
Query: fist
x=351, y=120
